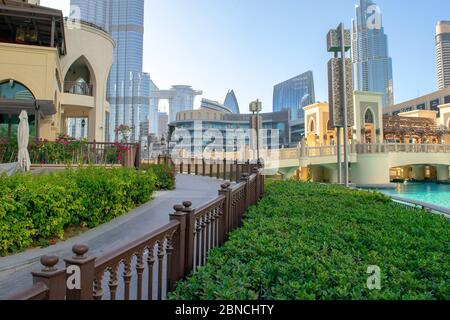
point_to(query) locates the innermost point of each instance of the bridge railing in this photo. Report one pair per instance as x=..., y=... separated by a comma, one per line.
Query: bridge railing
x=419, y=148
x=325, y=151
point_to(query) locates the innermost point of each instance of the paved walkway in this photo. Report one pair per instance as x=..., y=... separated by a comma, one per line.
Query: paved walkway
x=15, y=270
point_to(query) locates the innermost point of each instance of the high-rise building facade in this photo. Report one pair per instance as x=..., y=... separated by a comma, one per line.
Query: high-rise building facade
x=443, y=53
x=294, y=94
x=372, y=66
x=163, y=125
x=231, y=102
x=128, y=86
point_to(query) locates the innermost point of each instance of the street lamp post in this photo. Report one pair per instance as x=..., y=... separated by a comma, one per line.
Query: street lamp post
x=344, y=103
x=341, y=89
x=256, y=107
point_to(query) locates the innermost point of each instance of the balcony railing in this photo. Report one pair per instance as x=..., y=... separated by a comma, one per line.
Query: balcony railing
x=80, y=88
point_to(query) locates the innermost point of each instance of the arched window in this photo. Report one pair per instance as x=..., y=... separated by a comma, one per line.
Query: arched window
x=329, y=128
x=312, y=126
x=13, y=90
x=369, y=118
x=79, y=78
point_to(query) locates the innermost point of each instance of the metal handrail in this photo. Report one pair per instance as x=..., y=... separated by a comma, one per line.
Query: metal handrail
x=79, y=88
x=422, y=205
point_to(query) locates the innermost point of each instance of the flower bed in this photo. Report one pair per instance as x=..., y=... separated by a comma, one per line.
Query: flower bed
x=308, y=241
x=66, y=150
x=33, y=208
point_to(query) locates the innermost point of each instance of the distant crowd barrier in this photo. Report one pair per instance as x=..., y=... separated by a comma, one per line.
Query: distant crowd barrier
x=149, y=267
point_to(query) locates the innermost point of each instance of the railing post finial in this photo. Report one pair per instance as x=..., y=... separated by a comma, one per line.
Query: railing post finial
x=53, y=278
x=82, y=266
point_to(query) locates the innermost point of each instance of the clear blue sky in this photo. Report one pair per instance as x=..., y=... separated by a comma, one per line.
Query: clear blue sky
x=250, y=45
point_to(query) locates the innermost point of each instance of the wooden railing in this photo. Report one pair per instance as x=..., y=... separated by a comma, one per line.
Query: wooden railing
x=76, y=153
x=149, y=267
x=221, y=169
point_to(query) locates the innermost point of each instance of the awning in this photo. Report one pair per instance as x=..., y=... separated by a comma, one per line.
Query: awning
x=44, y=107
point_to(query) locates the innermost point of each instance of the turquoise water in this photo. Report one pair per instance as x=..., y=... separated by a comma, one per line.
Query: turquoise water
x=437, y=194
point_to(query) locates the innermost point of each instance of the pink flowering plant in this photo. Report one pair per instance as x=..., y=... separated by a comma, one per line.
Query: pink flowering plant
x=123, y=132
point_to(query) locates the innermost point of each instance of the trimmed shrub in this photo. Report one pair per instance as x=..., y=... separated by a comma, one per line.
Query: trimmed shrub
x=309, y=241
x=165, y=175
x=33, y=208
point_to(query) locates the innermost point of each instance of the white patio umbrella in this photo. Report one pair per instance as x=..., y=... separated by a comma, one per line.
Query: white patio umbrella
x=23, y=136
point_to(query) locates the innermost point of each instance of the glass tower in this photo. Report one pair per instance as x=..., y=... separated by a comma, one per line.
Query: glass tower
x=294, y=94
x=372, y=66
x=231, y=102
x=128, y=87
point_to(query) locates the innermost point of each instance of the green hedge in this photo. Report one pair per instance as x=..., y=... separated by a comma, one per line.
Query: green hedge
x=308, y=241
x=165, y=175
x=34, y=208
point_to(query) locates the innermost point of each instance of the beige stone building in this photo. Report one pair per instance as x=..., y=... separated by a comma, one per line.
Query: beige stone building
x=55, y=70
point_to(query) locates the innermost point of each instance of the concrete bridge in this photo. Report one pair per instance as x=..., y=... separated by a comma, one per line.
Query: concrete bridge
x=369, y=163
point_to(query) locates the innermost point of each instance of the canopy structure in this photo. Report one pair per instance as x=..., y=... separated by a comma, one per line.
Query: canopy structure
x=399, y=128
x=24, y=23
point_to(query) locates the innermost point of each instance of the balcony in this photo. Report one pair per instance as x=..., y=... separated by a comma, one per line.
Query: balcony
x=79, y=88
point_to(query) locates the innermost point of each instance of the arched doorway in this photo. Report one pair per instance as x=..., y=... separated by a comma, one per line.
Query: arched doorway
x=14, y=91
x=312, y=136
x=369, y=127
x=79, y=80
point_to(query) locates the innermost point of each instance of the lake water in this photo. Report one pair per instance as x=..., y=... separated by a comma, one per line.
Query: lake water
x=433, y=193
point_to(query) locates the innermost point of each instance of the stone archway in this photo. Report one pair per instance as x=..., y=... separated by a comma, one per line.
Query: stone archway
x=369, y=127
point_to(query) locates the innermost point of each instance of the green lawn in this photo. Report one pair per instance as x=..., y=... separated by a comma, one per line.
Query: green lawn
x=309, y=241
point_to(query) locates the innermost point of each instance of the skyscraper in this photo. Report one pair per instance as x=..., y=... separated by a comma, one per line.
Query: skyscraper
x=128, y=86
x=372, y=66
x=231, y=102
x=443, y=53
x=294, y=94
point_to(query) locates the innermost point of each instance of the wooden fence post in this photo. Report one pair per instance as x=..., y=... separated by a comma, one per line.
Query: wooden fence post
x=190, y=230
x=231, y=170
x=224, y=169
x=245, y=178
x=258, y=183
x=225, y=191
x=177, y=269
x=85, y=269
x=54, y=279
x=211, y=169
x=218, y=170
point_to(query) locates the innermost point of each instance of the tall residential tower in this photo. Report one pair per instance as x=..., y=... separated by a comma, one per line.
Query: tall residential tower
x=128, y=87
x=443, y=53
x=372, y=66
